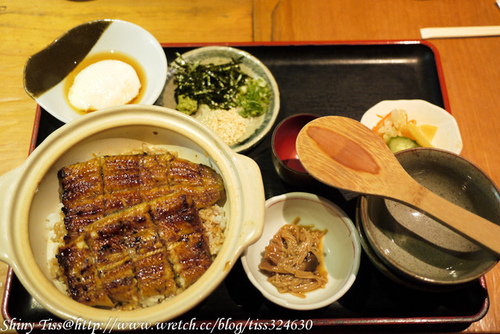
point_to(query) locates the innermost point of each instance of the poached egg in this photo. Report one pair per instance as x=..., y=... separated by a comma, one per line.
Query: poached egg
x=103, y=84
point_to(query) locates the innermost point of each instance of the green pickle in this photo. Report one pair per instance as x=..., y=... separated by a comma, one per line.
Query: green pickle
x=399, y=143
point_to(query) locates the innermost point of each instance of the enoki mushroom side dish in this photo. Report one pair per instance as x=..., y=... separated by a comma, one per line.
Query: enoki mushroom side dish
x=293, y=260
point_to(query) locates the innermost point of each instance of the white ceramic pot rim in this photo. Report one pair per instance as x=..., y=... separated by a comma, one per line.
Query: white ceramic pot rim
x=18, y=187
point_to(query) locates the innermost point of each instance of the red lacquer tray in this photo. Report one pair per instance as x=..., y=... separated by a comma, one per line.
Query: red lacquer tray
x=326, y=79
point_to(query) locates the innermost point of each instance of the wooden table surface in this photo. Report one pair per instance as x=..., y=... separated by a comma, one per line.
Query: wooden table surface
x=470, y=65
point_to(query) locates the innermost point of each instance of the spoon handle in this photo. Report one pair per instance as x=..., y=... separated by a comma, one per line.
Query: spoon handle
x=455, y=217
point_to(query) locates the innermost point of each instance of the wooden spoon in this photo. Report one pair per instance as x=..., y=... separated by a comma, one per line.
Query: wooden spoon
x=343, y=153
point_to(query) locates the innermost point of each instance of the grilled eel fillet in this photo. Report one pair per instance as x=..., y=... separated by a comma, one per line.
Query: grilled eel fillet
x=153, y=249
x=94, y=189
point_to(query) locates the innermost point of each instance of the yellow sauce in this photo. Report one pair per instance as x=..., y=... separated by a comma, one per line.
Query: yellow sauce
x=106, y=55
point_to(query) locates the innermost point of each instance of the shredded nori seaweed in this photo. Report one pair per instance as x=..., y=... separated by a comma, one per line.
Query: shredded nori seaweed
x=222, y=86
x=217, y=86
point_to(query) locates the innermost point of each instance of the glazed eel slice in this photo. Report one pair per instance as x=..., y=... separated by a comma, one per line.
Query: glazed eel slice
x=96, y=188
x=181, y=231
x=151, y=250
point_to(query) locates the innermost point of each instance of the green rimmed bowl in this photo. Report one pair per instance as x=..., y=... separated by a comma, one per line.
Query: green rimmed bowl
x=250, y=65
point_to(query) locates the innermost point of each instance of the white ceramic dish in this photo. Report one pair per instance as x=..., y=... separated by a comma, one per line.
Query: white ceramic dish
x=448, y=134
x=341, y=247
x=250, y=65
x=29, y=193
x=46, y=72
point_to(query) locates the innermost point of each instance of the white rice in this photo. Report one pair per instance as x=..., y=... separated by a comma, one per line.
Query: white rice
x=214, y=221
x=54, y=223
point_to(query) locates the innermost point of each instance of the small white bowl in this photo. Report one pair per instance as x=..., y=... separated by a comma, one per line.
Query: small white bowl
x=341, y=247
x=250, y=65
x=448, y=134
x=46, y=72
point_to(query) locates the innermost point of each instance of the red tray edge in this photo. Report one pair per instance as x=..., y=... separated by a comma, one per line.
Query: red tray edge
x=379, y=321
x=317, y=322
